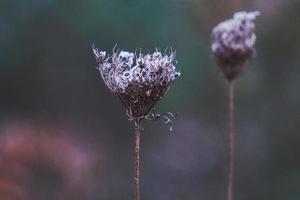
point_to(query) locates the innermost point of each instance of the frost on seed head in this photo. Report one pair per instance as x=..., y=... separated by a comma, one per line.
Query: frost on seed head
x=138, y=80
x=233, y=42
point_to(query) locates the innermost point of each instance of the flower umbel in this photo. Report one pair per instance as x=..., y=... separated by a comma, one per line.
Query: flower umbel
x=233, y=42
x=138, y=80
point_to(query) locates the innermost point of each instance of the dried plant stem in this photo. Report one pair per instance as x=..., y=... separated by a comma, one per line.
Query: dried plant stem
x=137, y=162
x=231, y=141
x=236, y=4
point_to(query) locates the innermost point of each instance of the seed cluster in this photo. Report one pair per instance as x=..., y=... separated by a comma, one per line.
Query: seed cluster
x=138, y=80
x=233, y=42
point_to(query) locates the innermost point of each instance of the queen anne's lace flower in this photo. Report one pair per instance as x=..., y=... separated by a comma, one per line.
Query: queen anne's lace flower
x=138, y=80
x=233, y=42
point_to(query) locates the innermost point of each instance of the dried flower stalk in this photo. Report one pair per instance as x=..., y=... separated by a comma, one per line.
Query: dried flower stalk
x=233, y=45
x=139, y=81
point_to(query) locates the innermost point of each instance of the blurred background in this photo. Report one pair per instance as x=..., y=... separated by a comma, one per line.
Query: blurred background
x=64, y=136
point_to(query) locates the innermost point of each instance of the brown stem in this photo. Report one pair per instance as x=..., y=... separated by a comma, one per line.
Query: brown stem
x=137, y=162
x=231, y=140
x=236, y=4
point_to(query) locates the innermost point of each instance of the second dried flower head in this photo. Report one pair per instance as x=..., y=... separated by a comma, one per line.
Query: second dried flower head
x=233, y=43
x=138, y=80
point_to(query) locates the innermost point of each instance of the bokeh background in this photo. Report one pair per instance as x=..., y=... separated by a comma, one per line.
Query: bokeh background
x=64, y=136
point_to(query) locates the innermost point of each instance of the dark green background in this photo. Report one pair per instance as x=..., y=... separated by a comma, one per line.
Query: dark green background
x=48, y=76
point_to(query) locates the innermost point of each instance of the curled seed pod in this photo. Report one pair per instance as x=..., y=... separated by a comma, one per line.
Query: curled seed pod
x=138, y=80
x=233, y=43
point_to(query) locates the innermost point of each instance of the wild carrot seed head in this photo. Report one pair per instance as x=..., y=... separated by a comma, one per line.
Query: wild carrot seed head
x=233, y=42
x=138, y=80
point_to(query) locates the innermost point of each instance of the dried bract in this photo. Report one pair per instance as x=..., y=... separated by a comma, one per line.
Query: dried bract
x=233, y=42
x=138, y=80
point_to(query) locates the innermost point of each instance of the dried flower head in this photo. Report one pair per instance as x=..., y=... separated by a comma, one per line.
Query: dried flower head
x=233, y=42
x=138, y=80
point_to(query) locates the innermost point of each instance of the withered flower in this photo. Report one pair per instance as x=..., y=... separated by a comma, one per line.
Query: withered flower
x=233, y=43
x=138, y=80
